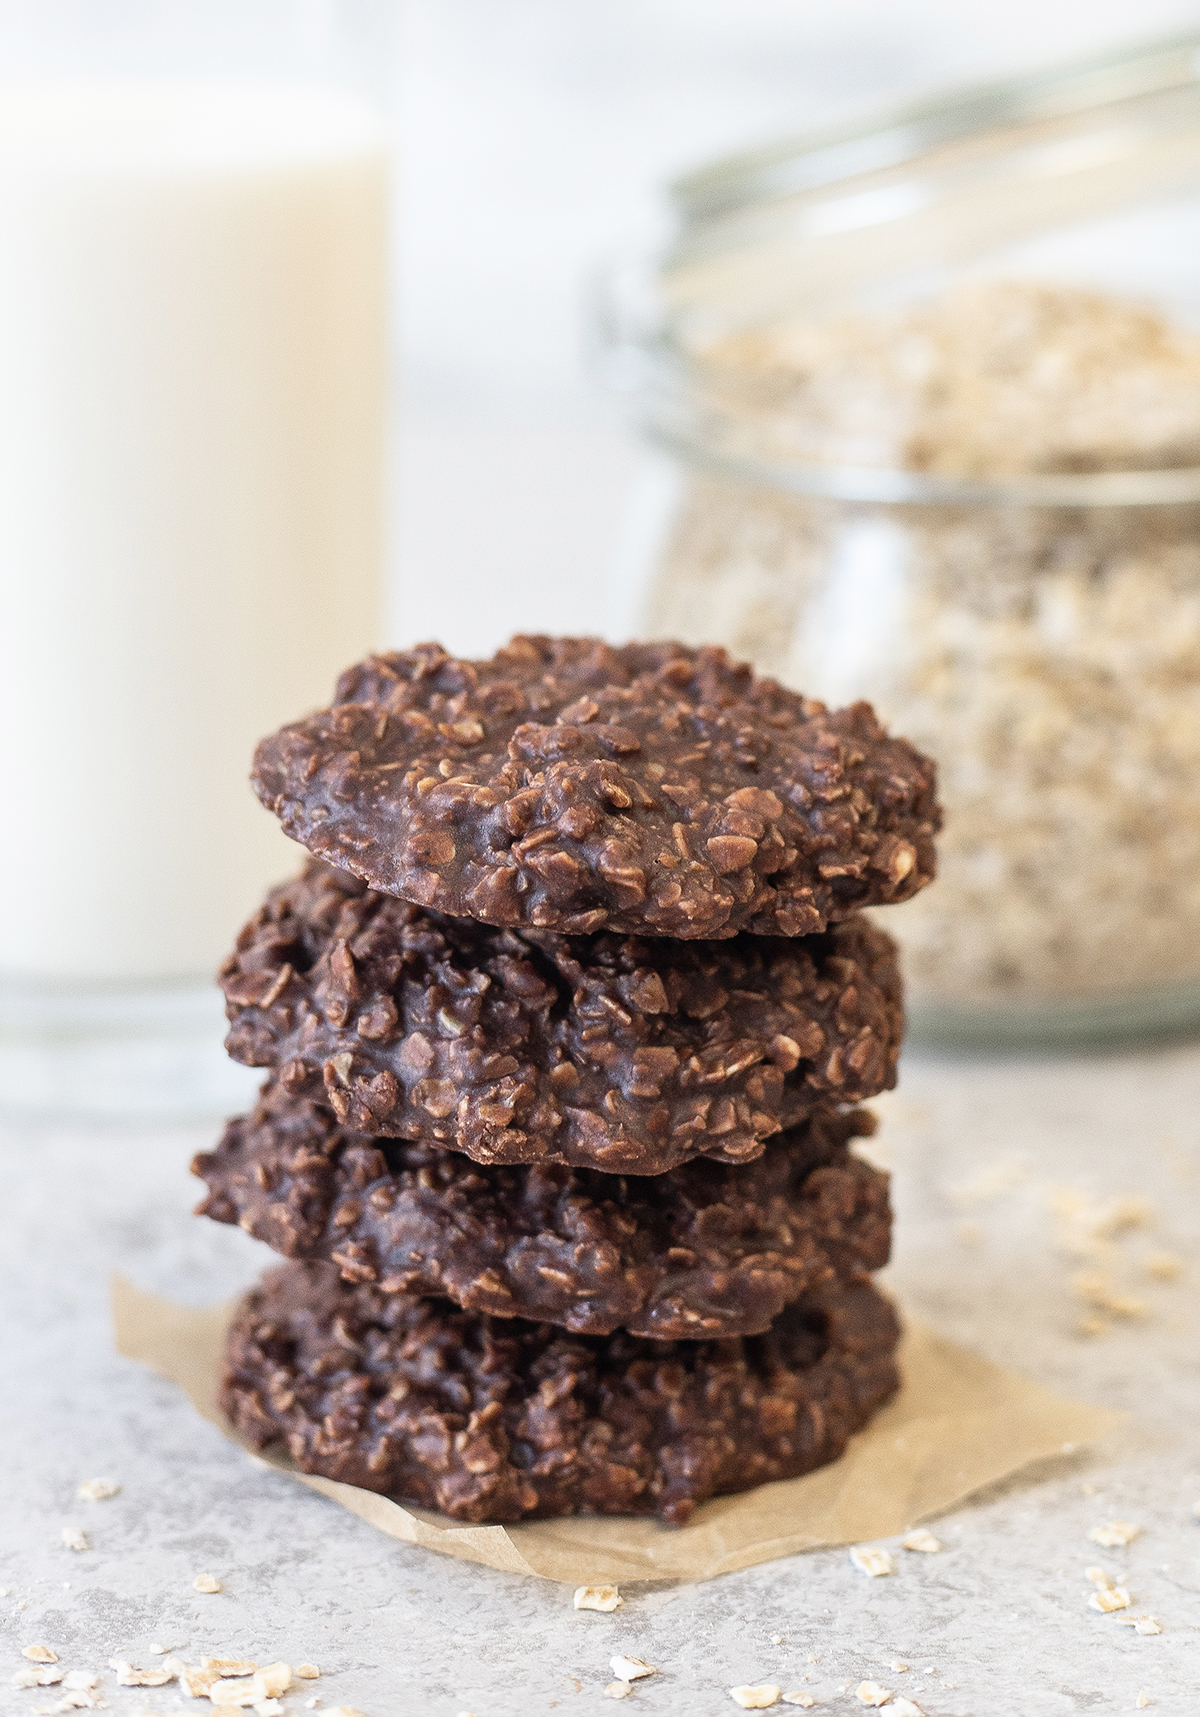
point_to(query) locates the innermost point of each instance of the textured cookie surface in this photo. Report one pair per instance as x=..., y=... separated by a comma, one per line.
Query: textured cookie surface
x=496, y=1419
x=630, y=1054
x=706, y=1250
x=568, y=785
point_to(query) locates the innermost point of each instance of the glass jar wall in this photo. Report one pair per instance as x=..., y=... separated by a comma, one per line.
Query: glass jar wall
x=935, y=390
x=1050, y=659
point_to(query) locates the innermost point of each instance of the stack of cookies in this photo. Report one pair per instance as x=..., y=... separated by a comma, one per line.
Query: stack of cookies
x=567, y=1017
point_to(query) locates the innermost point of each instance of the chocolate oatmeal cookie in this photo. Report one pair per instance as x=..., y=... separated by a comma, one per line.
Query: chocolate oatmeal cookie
x=497, y=1419
x=706, y=1250
x=567, y=785
x=629, y=1054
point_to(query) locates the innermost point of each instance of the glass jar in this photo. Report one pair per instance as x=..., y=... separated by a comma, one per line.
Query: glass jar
x=932, y=391
x=193, y=407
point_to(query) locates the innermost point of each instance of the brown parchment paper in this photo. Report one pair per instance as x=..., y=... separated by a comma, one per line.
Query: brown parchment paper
x=959, y=1423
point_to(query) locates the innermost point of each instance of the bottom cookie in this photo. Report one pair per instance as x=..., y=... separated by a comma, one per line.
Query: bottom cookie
x=500, y=1419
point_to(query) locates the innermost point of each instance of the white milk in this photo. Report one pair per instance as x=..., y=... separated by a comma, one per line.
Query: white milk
x=192, y=380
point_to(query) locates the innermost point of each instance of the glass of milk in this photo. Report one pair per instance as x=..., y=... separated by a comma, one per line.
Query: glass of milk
x=193, y=404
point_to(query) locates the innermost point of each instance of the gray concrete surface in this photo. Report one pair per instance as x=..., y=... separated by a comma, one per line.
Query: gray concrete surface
x=999, y=1623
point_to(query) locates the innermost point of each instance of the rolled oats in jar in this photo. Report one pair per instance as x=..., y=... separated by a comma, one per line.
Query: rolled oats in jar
x=968, y=489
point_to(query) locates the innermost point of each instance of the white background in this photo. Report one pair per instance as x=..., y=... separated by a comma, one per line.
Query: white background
x=537, y=136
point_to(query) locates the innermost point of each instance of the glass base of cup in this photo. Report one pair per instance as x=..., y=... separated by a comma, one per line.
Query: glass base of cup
x=123, y=1052
x=1051, y=1023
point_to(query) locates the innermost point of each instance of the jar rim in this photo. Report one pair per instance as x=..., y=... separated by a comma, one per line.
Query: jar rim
x=808, y=161
x=1166, y=486
x=738, y=213
x=812, y=219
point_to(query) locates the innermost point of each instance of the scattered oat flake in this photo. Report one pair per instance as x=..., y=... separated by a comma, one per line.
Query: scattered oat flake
x=1097, y=1576
x=619, y=1689
x=39, y=1654
x=128, y=1675
x=158, y=1650
x=923, y=1540
x=1108, y=1598
x=899, y=1668
x=268, y=1707
x=1095, y=1287
x=229, y=1665
x=275, y=1679
x=44, y=1677
x=81, y=1678
x=800, y=1698
x=99, y=1490
x=1114, y=1534
x=906, y=1708
x=1142, y=1624
x=206, y=1583
x=1092, y=1326
x=631, y=1668
x=597, y=1598
x=307, y=1671
x=1143, y=1699
x=1121, y=1214
x=873, y=1559
x=75, y=1538
x=235, y=1693
x=1163, y=1266
x=196, y=1682
x=871, y=1693
x=756, y=1698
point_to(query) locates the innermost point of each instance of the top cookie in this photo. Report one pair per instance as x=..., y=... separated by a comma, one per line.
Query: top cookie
x=569, y=785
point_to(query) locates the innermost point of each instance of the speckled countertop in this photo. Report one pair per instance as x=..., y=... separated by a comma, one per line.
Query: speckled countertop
x=1013, y=1180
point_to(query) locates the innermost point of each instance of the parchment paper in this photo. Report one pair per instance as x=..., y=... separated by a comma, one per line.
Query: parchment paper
x=958, y=1424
